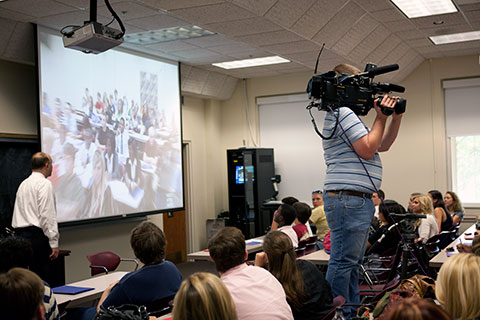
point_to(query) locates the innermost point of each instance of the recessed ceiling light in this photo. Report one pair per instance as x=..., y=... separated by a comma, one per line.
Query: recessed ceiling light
x=247, y=63
x=456, y=37
x=424, y=8
x=167, y=34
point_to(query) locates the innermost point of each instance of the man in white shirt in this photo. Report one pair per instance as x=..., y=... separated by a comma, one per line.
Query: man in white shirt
x=35, y=216
x=256, y=293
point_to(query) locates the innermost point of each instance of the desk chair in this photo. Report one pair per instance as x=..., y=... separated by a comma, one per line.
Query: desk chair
x=160, y=307
x=106, y=261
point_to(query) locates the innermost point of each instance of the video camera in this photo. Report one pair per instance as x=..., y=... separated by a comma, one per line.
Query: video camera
x=357, y=92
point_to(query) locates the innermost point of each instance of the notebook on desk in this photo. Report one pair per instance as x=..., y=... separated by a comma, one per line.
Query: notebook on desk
x=70, y=289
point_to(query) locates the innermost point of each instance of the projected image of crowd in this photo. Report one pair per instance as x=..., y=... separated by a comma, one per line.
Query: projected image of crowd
x=112, y=155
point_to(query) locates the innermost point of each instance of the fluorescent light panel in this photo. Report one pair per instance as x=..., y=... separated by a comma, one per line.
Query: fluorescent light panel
x=456, y=37
x=167, y=34
x=424, y=8
x=247, y=63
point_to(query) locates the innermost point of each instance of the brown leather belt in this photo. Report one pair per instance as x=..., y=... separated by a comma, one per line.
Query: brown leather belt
x=349, y=193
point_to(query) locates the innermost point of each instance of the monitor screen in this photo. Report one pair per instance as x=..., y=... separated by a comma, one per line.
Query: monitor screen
x=242, y=175
x=112, y=124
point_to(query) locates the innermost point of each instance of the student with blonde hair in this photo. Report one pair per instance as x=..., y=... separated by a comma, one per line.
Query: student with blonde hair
x=203, y=296
x=428, y=227
x=458, y=285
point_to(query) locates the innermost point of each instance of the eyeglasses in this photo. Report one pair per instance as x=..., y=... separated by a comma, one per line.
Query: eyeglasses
x=317, y=191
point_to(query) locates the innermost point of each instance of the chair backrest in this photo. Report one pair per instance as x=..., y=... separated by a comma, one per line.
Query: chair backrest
x=104, y=261
x=300, y=252
x=302, y=243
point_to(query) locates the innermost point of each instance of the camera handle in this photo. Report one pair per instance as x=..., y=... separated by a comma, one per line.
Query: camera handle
x=400, y=106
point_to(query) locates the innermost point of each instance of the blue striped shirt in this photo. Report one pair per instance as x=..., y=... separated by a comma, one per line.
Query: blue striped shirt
x=344, y=170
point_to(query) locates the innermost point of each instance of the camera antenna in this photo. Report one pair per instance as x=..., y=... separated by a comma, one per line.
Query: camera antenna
x=318, y=58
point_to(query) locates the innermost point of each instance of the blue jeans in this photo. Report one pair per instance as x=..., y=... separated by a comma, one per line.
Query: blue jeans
x=349, y=219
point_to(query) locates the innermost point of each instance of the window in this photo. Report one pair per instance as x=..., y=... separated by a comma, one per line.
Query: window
x=462, y=113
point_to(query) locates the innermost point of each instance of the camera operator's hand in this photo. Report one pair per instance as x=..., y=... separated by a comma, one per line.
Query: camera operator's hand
x=387, y=102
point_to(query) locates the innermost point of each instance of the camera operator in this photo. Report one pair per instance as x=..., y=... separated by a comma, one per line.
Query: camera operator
x=348, y=189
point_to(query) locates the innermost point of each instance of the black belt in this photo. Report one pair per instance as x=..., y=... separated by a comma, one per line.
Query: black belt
x=349, y=193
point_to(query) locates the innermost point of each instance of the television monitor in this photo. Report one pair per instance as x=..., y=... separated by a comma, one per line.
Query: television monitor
x=112, y=124
x=241, y=174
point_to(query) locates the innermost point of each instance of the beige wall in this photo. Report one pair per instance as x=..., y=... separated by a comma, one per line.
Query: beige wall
x=18, y=112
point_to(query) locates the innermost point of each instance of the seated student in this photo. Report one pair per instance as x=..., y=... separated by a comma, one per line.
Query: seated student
x=441, y=213
x=203, y=296
x=428, y=227
x=318, y=217
x=308, y=293
x=458, y=285
x=255, y=292
x=390, y=239
x=157, y=279
x=377, y=198
x=454, y=207
x=417, y=309
x=16, y=252
x=283, y=218
x=21, y=293
x=289, y=200
x=303, y=212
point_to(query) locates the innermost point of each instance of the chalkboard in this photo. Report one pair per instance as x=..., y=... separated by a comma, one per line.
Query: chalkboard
x=15, y=157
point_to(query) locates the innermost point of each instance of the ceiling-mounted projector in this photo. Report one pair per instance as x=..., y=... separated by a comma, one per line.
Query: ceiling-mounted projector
x=92, y=37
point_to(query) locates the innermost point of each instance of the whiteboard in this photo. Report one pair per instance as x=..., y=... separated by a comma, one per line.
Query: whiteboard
x=285, y=125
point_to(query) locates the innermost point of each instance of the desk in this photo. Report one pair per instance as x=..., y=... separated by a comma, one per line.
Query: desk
x=441, y=257
x=99, y=283
x=319, y=257
x=252, y=245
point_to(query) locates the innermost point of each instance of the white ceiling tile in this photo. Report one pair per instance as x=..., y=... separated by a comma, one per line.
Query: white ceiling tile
x=292, y=47
x=128, y=11
x=369, y=44
x=267, y=38
x=421, y=42
x=76, y=18
x=473, y=16
x=375, y=5
x=177, y=4
x=464, y=2
x=287, y=12
x=447, y=29
x=355, y=35
x=37, y=8
x=14, y=15
x=433, y=55
x=339, y=25
x=248, y=54
x=410, y=34
x=7, y=28
x=158, y=21
x=462, y=52
x=402, y=25
x=243, y=27
x=389, y=15
x=211, y=41
x=448, y=19
x=394, y=55
x=231, y=48
x=212, y=13
x=255, y=6
x=20, y=46
x=382, y=50
x=460, y=45
x=317, y=17
x=172, y=46
x=471, y=7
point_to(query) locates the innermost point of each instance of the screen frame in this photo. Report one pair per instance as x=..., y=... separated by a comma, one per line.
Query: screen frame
x=135, y=215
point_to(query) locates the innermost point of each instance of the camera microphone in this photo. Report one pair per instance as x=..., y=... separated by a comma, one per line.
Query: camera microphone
x=381, y=70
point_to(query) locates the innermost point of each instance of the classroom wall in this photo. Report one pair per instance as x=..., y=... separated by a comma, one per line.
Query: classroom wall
x=417, y=162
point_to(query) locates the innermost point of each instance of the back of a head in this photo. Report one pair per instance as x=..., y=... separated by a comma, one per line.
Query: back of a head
x=381, y=194
x=458, y=285
x=303, y=211
x=203, y=296
x=227, y=248
x=289, y=200
x=282, y=263
x=391, y=206
x=21, y=293
x=426, y=204
x=15, y=252
x=417, y=309
x=148, y=243
x=288, y=213
x=39, y=160
x=346, y=69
